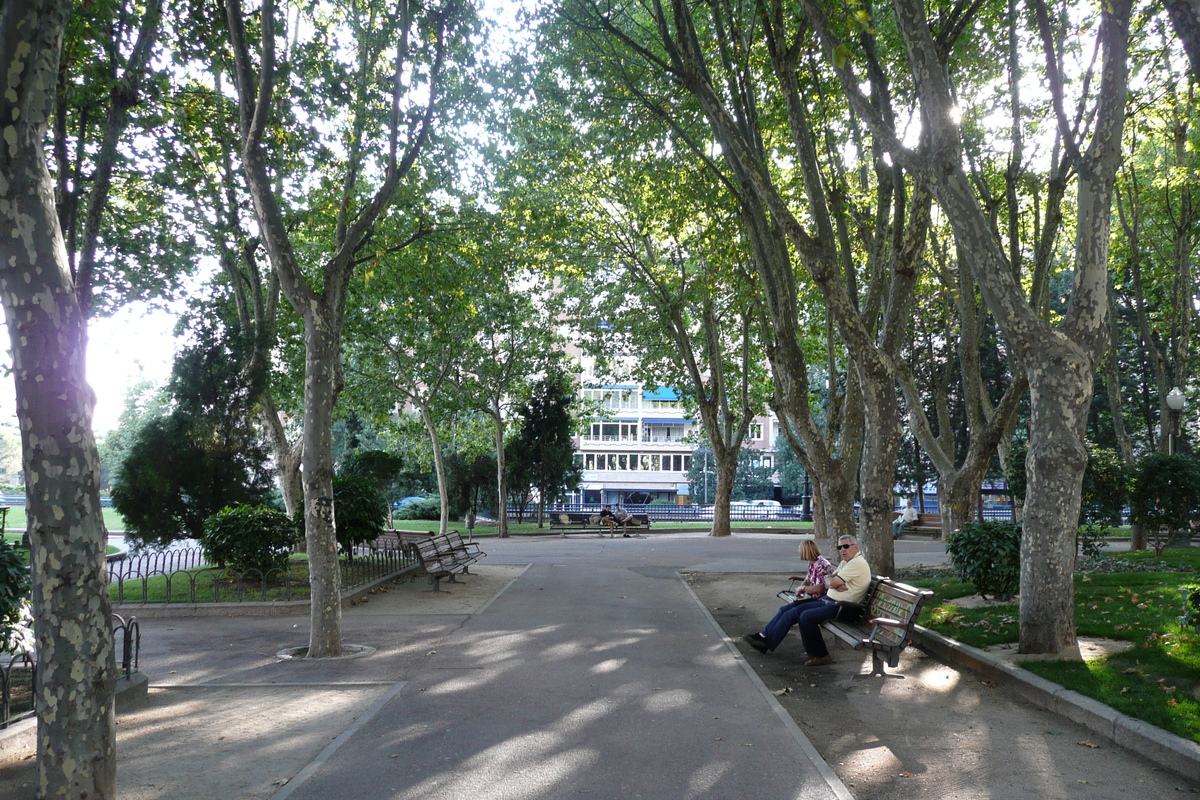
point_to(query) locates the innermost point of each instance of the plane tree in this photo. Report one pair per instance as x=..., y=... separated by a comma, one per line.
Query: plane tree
x=381, y=94
x=653, y=270
x=853, y=224
x=406, y=327
x=1059, y=356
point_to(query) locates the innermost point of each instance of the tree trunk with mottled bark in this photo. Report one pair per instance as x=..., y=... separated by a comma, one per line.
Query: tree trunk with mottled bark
x=439, y=463
x=322, y=366
x=285, y=453
x=726, y=473
x=76, y=739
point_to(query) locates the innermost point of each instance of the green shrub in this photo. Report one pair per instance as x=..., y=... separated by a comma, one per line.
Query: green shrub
x=249, y=537
x=1191, y=607
x=430, y=509
x=1166, y=495
x=15, y=584
x=988, y=554
x=360, y=510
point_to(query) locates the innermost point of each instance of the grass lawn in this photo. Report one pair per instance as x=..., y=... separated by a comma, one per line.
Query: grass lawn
x=16, y=520
x=211, y=584
x=1156, y=680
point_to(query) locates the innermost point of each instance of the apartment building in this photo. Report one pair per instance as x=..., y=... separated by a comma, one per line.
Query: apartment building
x=638, y=446
x=637, y=449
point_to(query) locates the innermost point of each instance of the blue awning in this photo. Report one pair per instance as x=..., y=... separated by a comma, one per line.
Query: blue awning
x=664, y=421
x=660, y=394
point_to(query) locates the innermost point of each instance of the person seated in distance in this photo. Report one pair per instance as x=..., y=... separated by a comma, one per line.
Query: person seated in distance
x=845, y=588
x=607, y=518
x=623, y=518
x=907, y=517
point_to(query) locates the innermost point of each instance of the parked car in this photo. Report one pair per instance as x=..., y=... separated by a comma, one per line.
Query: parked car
x=399, y=504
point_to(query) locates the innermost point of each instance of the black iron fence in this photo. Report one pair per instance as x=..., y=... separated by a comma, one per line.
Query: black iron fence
x=19, y=671
x=671, y=513
x=151, y=562
x=17, y=681
x=174, y=581
x=737, y=512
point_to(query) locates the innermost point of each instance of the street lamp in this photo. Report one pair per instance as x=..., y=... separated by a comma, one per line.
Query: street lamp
x=1175, y=402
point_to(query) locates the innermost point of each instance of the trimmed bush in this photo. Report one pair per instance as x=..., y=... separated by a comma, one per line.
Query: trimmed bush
x=360, y=510
x=988, y=554
x=249, y=537
x=16, y=581
x=428, y=509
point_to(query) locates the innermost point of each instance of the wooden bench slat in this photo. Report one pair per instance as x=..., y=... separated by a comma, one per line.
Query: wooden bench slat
x=444, y=556
x=892, y=608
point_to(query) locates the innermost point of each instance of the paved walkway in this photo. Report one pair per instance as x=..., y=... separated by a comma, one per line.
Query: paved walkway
x=577, y=667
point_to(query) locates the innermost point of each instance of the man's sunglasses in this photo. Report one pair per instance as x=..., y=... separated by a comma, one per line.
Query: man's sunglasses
x=844, y=546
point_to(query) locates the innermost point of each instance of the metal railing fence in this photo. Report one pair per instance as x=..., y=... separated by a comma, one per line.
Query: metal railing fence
x=218, y=585
x=19, y=671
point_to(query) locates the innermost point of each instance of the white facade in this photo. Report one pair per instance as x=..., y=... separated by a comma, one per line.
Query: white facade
x=640, y=443
x=637, y=447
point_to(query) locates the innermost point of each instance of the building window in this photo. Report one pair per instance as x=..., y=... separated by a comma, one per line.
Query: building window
x=614, y=399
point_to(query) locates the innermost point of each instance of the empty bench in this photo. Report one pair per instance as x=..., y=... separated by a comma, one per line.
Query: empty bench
x=928, y=524
x=885, y=627
x=445, y=556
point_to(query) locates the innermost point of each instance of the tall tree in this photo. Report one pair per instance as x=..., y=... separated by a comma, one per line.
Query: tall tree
x=1059, y=359
x=547, y=438
x=403, y=338
x=405, y=51
x=512, y=349
x=48, y=333
x=742, y=66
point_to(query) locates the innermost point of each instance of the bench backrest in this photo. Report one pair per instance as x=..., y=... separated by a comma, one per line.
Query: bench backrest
x=894, y=600
x=429, y=551
x=455, y=540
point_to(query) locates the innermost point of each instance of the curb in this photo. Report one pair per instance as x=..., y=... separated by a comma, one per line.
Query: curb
x=1180, y=755
x=131, y=692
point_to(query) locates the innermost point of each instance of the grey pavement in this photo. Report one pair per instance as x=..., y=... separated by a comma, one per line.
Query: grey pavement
x=566, y=667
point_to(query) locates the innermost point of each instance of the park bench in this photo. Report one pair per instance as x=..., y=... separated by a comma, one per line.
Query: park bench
x=885, y=627
x=574, y=522
x=928, y=523
x=439, y=560
x=464, y=552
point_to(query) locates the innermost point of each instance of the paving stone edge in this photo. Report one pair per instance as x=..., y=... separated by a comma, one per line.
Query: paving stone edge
x=1164, y=748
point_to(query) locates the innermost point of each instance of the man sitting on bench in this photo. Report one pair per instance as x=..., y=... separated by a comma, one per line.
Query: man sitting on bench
x=623, y=518
x=904, y=522
x=607, y=518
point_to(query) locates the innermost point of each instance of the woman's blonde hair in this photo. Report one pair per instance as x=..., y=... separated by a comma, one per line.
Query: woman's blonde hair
x=809, y=550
